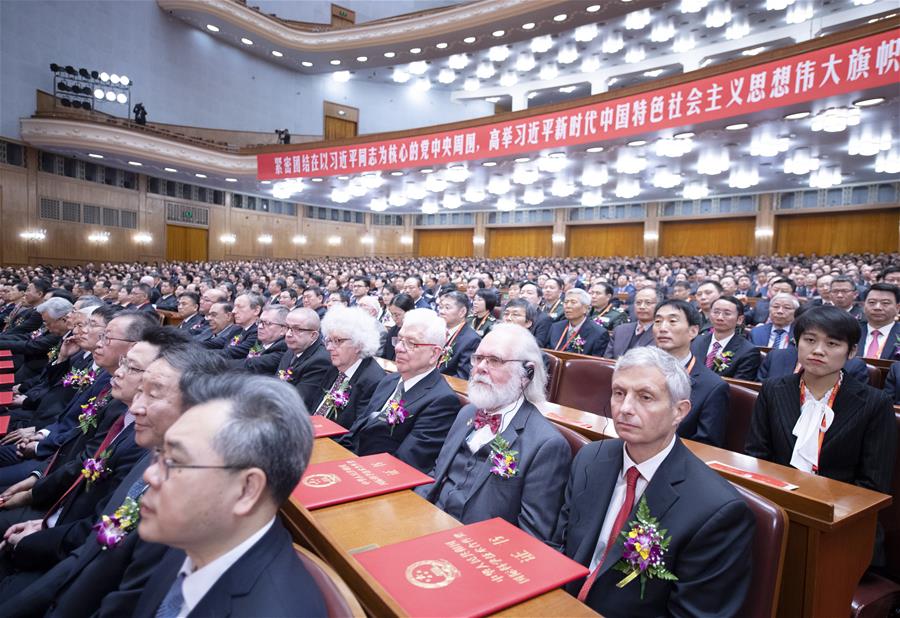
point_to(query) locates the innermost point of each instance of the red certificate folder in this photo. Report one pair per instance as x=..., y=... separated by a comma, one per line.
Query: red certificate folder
x=346, y=480
x=323, y=427
x=473, y=570
x=753, y=476
x=6, y=378
x=6, y=398
x=4, y=425
x=6, y=364
x=5, y=354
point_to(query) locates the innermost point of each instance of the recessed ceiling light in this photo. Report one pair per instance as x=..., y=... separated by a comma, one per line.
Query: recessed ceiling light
x=638, y=142
x=737, y=127
x=170, y=169
x=523, y=160
x=593, y=8
x=560, y=17
x=493, y=99
x=595, y=149
x=277, y=53
x=396, y=173
x=95, y=156
x=754, y=51
x=316, y=179
x=489, y=164
x=341, y=112
x=653, y=73
x=306, y=63
x=200, y=175
x=441, y=46
x=362, y=58
x=343, y=178
x=334, y=62
x=389, y=54
x=246, y=41
x=528, y=26
x=685, y=135
x=135, y=163
x=796, y=116
x=532, y=94
x=469, y=39
x=265, y=182
x=231, y=180
x=212, y=28
x=498, y=33
x=869, y=102
x=416, y=50
x=426, y=170
x=568, y=89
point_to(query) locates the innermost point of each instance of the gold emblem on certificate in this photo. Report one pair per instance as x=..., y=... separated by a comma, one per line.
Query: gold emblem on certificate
x=431, y=573
x=321, y=480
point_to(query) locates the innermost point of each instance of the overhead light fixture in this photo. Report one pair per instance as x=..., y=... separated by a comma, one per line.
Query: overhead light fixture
x=637, y=20
x=627, y=188
x=135, y=163
x=99, y=93
x=717, y=16
x=399, y=75
x=474, y=194
x=558, y=238
x=212, y=28
x=637, y=142
x=227, y=239
x=836, y=119
x=799, y=13
x=688, y=7
x=594, y=149
x=684, y=43
x=525, y=62
x=549, y=71
x=458, y=61
x=869, y=141
x=277, y=53
x=170, y=169
x=825, y=177
x=869, y=102
x=95, y=156
x=744, y=175
x=713, y=160
x=451, y=201
x=612, y=43
x=591, y=198
x=628, y=162
x=797, y=116
x=419, y=67
x=469, y=40
x=888, y=162
x=506, y=204
x=246, y=41
x=528, y=26
x=754, y=51
x=415, y=50
x=341, y=76
x=561, y=188
x=446, y=76
x=36, y=235
x=200, y=175
x=396, y=173
x=334, y=62
x=509, y=79
x=485, y=70
x=430, y=207
x=662, y=31
x=590, y=64
x=586, y=33
x=498, y=184
x=739, y=126
x=478, y=240
x=533, y=196
x=593, y=8
x=389, y=54
x=567, y=54
x=306, y=63
x=541, y=44
x=489, y=164
x=441, y=46
x=142, y=238
x=673, y=147
x=737, y=29
x=299, y=239
x=498, y=53
x=231, y=180
x=99, y=237
x=665, y=178
x=695, y=190
x=560, y=17
x=498, y=33
x=800, y=162
x=333, y=240
x=422, y=84
x=522, y=160
x=635, y=54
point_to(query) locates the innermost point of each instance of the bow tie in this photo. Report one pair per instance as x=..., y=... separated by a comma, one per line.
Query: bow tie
x=482, y=418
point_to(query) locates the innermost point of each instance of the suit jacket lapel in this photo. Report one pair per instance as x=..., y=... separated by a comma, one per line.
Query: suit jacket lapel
x=511, y=435
x=888, y=350
x=599, y=490
x=418, y=391
x=850, y=397
x=788, y=397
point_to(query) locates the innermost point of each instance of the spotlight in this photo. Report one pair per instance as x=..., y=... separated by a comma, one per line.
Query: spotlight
x=65, y=102
x=95, y=75
x=121, y=98
x=62, y=87
x=124, y=80
x=110, y=96
x=104, y=77
x=84, y=73
x=55, y=67
x=71, y=70
x=99, y=94
x=114, y=78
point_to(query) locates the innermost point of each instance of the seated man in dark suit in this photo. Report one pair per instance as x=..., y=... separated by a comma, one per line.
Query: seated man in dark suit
x=166, y=300
x=246, y=444
x=676, y=324
x=552, y=303
x=411, y=411
x=140, y=299
x=247, y=308
x=635, y=334
x=708, y=291
x=265, y=355
x=306, y=362
x=760, y=313
x=508, y=378
x=189, y=311
x=351, y=338
x=577, y=333
x=602, y=311
x=220, y=319
x=725, y=350
x=709, y=524
x=24, y=320
x=541, y=323
x=880, y=337
x=776, y=332
x=461, y=341
x=30, y=355
x=843, y=295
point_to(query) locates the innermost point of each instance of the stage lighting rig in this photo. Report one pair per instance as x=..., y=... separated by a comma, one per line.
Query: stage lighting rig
x=83, y=88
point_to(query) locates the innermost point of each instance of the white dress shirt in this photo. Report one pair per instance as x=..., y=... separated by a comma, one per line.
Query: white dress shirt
x=722, y=343
x=647, y=470
x=785, y=338
x=484, y=435
x=352, y=369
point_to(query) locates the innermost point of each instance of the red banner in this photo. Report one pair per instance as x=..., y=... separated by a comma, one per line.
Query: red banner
x=474, y=570
x=862, y=64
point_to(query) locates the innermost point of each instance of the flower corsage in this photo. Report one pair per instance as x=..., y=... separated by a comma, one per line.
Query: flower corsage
x=286, y=375
x=235, y=340
x=337, y=398
x=53, y=354
x=446, y=355
x=79, y=378
x=256, y=350
x=37, y=333
x=642, y=555
x=89, y=413
x=577, y=344
x=112, y=530
x=395, y=413
x=722, y=361
x=503, y=460
x=94, y=469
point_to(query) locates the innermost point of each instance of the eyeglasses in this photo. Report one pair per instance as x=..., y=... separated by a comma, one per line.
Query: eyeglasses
x=724, y=313
x=335, y=341
x=104, y=338
x=267, y=324
x=165, y=465
x=493, y=362
x=123, y=364
x=297, y=329
x=838, y=292
x=406, y=343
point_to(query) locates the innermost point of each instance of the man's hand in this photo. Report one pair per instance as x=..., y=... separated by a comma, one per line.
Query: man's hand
x=27, y=450
x=13, y=437
x=17, y=532
x=19, y=494
x=68, y=348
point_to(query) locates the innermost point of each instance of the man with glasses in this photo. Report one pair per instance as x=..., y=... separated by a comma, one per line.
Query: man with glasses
x=843, y=296
x=30, y=354
x=576, y=333
x=461, y=340
x=880, y=329
x=265, y=355
x=247, y=308
x=359, y=288
x=412, y=410
x=540, y=325
x=507, y=380
x=725, y=350
x=635, y=334
x=306, y=362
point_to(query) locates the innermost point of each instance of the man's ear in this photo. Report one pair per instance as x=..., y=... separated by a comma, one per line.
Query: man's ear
x=253, y=490
x=682, y=408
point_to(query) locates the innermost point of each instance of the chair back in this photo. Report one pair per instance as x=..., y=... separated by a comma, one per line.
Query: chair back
x=876, y=377
x=769, y=544
x=585, y=384
x=890, y=516
x=552, y=363
x=741, y=401
x=339, y=600
x=575, y=439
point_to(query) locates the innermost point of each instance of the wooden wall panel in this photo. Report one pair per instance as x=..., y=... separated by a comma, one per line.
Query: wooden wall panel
x=338, y=128
x=605, y=240
x=520, y=241
x=831, y=233
x=709, y=236
x=444, y=243
x=186, y=244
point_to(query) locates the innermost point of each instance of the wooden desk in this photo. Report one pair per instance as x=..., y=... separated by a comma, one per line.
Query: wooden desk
x=170, y=318
x=336, y=532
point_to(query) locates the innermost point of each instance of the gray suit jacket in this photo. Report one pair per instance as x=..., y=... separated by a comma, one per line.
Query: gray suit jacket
x=621, y=336
x=532, y=498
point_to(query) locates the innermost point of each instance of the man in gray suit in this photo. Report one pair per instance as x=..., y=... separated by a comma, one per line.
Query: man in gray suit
x=635, y=334
x=502, y=458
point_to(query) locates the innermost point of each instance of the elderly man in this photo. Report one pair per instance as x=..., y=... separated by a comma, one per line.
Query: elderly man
x=461, y=340
x=650, y=466
x=210, y=297
x=265, y=355
x=351, y=339
x=880, y=330
x=776, y=333
x=508, y=379
x=577, y=333
x=635, y=334
x=247, y=308
x=602, y=311
x=676, y=324
x=32, y=354
x=140, y=299
x=760, y=313
x=414, y=287
x=214, y=492
x=189, y=311
x=725, y=350
x=306, y=361
x=411, y=411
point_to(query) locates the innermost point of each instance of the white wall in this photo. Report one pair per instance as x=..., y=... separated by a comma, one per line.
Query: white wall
x=184, y=76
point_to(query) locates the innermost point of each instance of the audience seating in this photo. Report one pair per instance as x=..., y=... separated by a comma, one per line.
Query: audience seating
x=575, y=439
x=741, y=401
x=551, y=362
x=876, y=378
x=769, y=545
x=339, y=600
x=585, y=384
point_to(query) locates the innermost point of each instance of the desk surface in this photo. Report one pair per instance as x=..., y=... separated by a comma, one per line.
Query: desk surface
x=391, y=518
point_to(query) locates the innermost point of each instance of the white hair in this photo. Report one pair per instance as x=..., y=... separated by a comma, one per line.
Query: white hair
x=678, y=384
x=785, y=296
x=355, y=324
x=581, y=295
x=55, y=307
x=526, y=349
x=433, y=326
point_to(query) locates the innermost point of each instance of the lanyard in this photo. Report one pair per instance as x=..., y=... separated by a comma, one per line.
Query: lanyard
x=563, y=336
x=830, y=404
x=691, y=364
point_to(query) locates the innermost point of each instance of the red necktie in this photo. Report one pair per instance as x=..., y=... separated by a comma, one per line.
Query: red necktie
x=482, y=418
x=631, y=477
x=111, y=435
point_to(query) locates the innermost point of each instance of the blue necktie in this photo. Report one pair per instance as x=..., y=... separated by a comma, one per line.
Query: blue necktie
x=171, y=605
x=779, y=335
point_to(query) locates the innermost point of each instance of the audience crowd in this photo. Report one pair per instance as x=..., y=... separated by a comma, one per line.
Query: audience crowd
x=144, y=465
